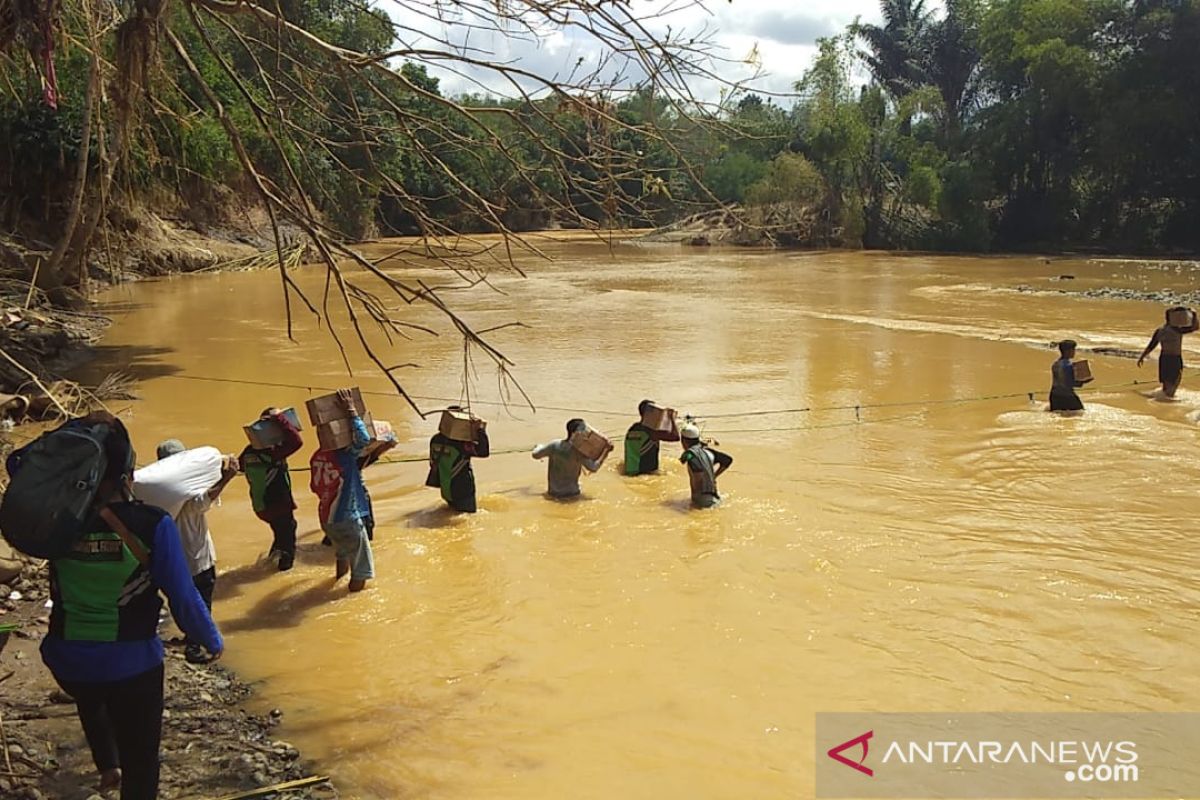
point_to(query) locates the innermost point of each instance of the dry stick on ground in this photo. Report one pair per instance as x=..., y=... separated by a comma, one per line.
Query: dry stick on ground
x=279, y=787
x=37, y=381
x=4, y=742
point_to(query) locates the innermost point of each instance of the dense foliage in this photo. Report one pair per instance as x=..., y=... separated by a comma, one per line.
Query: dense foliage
x=988, y=124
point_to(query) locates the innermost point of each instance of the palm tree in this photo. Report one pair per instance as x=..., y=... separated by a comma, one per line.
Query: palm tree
x=894, y=52
x=951, y=61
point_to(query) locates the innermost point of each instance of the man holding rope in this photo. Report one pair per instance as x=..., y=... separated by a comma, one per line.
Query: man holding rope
x=704, y=465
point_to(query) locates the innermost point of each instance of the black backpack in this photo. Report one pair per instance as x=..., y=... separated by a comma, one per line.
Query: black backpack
x=52, y=489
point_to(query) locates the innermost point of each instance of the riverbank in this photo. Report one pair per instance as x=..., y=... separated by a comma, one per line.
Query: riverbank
x=212, y=745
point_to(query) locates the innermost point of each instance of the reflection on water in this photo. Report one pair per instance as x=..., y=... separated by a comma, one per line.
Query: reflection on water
x=973, y=556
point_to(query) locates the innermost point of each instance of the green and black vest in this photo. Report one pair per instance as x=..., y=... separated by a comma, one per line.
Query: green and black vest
x=101, y=591
x=641, y=450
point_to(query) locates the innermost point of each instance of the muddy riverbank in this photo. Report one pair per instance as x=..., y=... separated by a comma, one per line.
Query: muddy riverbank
x=213, y=746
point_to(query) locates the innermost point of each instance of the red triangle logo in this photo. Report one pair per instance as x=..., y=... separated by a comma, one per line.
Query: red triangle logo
x=836, y=753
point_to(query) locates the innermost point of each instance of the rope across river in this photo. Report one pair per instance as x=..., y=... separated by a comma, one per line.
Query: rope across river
x=1032, y=395
x=857, y=408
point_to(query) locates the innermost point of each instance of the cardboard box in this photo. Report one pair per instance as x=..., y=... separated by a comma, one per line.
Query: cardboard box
x=590, y=444
x=461, y=426
x=1083, y=371
x=266, y=433
x=1180, y=318
x=659, y=419
x=327, y=407
x=339, y=433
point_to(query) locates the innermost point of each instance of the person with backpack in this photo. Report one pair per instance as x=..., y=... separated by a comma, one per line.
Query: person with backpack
x=110, y=558
x=271, y=486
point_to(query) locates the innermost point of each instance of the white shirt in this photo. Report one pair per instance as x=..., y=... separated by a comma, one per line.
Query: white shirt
x=198, y=546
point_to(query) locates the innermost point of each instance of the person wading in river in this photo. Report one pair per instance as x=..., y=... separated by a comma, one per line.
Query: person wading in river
x=642, y=444
x=450, y=467
x=1063, y=386
x=271, y=486
x=566, y=463
x=369, y=519
x=336, y=480
x=1170, y=360
x=704, y=466
x=102, y=645
x=198, y=547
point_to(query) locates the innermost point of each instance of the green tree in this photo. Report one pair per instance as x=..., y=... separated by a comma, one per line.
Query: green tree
x=789, y=179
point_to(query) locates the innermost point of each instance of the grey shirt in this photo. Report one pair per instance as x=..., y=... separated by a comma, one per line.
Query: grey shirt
x=566, y=464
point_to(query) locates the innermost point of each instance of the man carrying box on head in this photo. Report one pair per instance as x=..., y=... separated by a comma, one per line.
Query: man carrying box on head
x=567, y=458
x=337, y=482
x=450, y=457
x=642, y=439
x=1180, y=321
x=271, y=485
x=384, y=441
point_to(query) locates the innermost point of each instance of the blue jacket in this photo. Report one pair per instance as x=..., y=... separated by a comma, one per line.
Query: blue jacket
x=336, y=480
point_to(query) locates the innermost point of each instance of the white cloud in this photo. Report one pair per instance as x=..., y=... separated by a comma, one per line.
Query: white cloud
x=783, y=33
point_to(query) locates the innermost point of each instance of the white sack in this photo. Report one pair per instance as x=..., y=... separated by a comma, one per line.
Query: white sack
x=170, y=482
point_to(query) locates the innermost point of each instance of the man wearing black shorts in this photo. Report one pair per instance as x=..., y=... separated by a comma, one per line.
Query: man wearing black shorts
x=1170, y=360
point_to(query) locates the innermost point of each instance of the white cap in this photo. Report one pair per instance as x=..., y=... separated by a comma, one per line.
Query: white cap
x=689, y=431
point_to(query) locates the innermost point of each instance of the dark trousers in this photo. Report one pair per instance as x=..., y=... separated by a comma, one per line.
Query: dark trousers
x=284, y=529
x=122, y=721
x=205, y=582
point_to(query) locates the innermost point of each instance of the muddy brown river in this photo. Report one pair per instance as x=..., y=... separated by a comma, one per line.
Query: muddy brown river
x=922, y=556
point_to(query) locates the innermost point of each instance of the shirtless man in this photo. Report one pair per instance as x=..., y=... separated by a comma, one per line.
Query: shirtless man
x=1170, y=361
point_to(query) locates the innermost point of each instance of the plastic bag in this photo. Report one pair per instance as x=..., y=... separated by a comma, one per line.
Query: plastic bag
x=172, y=481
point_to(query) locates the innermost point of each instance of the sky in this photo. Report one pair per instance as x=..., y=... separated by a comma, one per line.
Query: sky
x=779, y=35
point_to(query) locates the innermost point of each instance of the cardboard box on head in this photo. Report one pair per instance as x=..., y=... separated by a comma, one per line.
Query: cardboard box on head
x=1180, y=317
x=266, y=433
x=339, y=433
x=328, y=407
x=461, y=426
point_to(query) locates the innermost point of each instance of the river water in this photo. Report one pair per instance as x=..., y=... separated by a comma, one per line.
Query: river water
x=981, y=555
